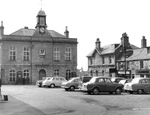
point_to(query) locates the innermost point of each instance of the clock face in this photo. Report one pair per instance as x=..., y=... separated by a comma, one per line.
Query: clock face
x=42, y=29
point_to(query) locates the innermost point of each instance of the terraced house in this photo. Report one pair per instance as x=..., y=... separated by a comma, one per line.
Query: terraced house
x=28, y=55
x=102, y=61
x=138, y=63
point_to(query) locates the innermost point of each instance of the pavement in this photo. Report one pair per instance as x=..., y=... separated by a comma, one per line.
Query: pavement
x=14, y=106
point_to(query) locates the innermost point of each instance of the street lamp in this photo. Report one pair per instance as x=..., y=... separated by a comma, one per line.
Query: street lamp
x=125, y=42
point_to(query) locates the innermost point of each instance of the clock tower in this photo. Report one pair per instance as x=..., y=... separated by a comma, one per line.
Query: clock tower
x=41, y=22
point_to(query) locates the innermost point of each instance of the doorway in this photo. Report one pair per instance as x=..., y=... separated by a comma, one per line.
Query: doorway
x=42, y=73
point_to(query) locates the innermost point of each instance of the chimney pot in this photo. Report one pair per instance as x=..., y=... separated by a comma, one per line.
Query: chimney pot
x=143, y=42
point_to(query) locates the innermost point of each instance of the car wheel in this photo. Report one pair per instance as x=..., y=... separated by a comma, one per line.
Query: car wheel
x=52, y=85
x=139, y=91
x=95, y=91
x=72, y=88
x=118, y=91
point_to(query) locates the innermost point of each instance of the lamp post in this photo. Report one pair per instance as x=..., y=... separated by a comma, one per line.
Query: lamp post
x=125, y=43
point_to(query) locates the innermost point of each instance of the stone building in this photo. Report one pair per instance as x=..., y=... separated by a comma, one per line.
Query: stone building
x=27, y=55
x=138, y=63
x=102, y=61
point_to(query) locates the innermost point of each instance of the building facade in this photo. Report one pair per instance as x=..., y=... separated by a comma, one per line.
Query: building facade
x=28, y=55
x=102, y=61
x=138, y=63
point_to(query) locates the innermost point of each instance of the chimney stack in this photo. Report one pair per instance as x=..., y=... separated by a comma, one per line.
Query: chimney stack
x=1, y=29
x=98, y=44
x=143, y=42
x=125, y=40
x=66, y=32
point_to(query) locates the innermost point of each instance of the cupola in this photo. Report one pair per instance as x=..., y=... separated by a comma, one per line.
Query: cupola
x=41, y=21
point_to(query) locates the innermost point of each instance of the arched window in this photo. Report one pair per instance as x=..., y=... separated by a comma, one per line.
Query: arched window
x=26, y=73
x=68, y=74
x=12, y=75
x=56, y=72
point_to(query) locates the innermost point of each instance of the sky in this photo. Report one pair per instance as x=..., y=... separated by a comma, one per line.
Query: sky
x=87, y=20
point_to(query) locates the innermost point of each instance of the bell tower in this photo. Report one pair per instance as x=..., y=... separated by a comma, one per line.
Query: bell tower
x=41, y=22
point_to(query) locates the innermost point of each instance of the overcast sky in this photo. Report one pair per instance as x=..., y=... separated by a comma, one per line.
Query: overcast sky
x=87, y=20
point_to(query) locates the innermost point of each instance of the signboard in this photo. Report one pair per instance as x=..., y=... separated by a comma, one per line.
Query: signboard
x=143, y=72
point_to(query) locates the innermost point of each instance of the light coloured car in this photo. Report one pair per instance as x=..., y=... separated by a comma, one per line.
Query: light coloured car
x=124, y=81
x=139, y=85
x=116, y=79
x=71, y=84
x=39, y=82
x=53, y=82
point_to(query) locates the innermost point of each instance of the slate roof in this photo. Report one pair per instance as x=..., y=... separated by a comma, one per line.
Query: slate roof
x=104, y=50
x=30, y=32
x=108, y=49
x=41, y=13
x=139, y=54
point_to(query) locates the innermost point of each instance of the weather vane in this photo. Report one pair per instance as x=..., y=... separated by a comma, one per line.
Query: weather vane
x=41, y=4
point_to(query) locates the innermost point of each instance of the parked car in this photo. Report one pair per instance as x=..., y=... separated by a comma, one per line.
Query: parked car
x=116, y=79
x=39, y=82
x=101, y=84
x=53, y=82
x=71, y=84
x=124, y=81
x=139, y=85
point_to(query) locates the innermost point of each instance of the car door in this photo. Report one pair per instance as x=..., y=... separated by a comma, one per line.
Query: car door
x=57, y=81
x=101, y=84
x=146, y=85
x=76, y=82
x=110, y=86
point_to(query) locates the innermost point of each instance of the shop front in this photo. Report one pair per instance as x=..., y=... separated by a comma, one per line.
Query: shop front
x=143, y=73
x=122, y=73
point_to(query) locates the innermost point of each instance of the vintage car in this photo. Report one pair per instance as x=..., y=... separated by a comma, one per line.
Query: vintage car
x=39, y=82
x=117, y=79
x=124, y=81
x=139, y=85
x=101, y=84
x=84, y=79
x=53, y=82
x=71, y=84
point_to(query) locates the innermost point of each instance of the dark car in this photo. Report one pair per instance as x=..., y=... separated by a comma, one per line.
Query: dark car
x=71, y=84
x=101, y=84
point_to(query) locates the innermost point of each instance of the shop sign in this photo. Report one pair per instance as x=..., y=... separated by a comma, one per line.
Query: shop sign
x=143, y=72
